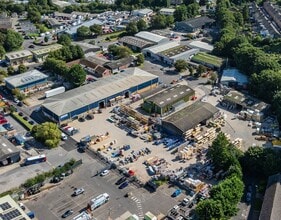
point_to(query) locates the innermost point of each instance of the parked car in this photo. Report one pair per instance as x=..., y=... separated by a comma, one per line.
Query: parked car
x=31, y=122
x=121, y=180
x=25, y=118
x=8, y=127
x=31, y=46
x=124, y=185
x=3, y=121
x=20, y=104
x=176, y=193
x=104, y=173
x=67, y=213
x=20, y=114
x=78, y=192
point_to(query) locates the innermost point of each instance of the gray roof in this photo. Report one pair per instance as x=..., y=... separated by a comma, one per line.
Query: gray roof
x=85, y=95
x=18, y=54
x=25, y=78
x=119, y=63
x=199, y=22
x=7, y=148
x=151, y=37
x=271, y=209
x=246, y=101
x=170, y=95
x=134, y=41
x=191, y=116
x=162, y=47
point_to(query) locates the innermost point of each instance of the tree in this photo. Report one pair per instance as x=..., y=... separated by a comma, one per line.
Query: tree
x=276, y=104
x=96, y=29
x=140, y=59
x=13, y=41
x=64, y=39
x=22, y=68
x=132, y=28
x=170, y=20
x=83, y=32
x=201, y=69
x=10, y=70
x=119, y=51
x=34, y=15
x=47, y=133
x=158, y=22
x=141, y=25
x=180, y=13
x=2, y=51
x=181, y=65
x=76, y=75
x=209, y=209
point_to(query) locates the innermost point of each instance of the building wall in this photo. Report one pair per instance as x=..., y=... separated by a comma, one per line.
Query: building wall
x=27, y=86
x=10, y=158
x=18, y=61
x=171, y=129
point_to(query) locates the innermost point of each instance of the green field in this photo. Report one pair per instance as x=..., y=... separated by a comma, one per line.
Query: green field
x=208, y=59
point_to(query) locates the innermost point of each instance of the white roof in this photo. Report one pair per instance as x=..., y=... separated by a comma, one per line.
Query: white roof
x=167, y=10
x=18, y=54
x=185, y=55
x=25, y=78
x=162, y=47
x=201, y=45
x=85, y=95
x=233, y=75
x=151, y=37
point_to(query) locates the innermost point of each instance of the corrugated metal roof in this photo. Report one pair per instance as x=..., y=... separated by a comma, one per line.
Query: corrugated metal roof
x=150, y=36
x=85, y=95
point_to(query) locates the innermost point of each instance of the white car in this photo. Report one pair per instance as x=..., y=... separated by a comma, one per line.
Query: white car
x=78, y=191
x=104, y=173
x=16, y=100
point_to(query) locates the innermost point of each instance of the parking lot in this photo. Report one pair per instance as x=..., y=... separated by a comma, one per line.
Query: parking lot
x=53, y=203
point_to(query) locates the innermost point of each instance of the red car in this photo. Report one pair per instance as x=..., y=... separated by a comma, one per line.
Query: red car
x=3, y=121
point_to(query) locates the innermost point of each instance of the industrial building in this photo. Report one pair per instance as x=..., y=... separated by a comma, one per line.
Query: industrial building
x=155, y=38
x=167, y=100
x=100, y=94
x=189, y=117
x=41, y=54
x=253, y=109
x=194, y=24
x=232, y=77
x=8, y=152
x=18, y=57
x=270, y=209
x=10, y=210
x=202, y=46
x=136, y=44
x=26, y=81
x=167, y=11
x=169, y=52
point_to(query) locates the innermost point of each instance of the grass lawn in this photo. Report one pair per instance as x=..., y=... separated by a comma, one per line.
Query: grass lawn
x=22, y=121
x=206, y=58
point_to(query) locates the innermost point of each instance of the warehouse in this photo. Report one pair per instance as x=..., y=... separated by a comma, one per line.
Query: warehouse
x=183, y=120
x=136, y=44
x=26, y=81
x=8, y=152
x=104, y=92
x=170, y=52
x=165, y=101
x=194, y=24
x=18, y=57
x=154, y=38
x=41, y=54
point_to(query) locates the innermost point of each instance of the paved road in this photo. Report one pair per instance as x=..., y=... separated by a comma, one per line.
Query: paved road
x=52, y=204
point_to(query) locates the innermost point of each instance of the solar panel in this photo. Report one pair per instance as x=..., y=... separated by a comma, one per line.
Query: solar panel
x=11, y=215
x=5, y=206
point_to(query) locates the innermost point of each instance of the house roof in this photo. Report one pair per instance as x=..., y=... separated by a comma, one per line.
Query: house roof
x=198, y=22
x=25, y=78
x=118, y=63
x=169, y=95
x=134, y=41
x=191, y=116
x=272, y=199
x=18, y=54
x=85, y=95
x=145, y=35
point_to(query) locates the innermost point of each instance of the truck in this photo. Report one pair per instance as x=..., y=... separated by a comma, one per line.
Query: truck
x=55, y=91
x=98, y=201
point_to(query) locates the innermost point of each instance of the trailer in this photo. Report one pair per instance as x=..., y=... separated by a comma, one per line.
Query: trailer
x=98, y=201
x=54, y=92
